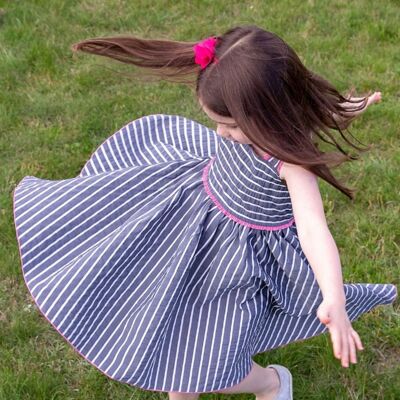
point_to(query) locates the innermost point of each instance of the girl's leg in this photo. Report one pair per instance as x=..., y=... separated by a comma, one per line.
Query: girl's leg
x=263, y=382
x=183, y=396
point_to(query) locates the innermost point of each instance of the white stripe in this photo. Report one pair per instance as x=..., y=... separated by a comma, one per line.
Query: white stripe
x=133, y=326
x=82, y=244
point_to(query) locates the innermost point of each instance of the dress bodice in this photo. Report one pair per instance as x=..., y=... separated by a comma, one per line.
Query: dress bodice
x=247, y=187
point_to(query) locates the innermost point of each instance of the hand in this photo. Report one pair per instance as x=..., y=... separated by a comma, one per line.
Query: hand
x=344, y=121
x=375, y=97
x=344, y=338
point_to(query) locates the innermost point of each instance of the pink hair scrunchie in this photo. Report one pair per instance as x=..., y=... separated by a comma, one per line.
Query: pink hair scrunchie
x=205, y=52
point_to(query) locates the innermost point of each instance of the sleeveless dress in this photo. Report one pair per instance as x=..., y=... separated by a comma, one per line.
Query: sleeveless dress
x=172, y=258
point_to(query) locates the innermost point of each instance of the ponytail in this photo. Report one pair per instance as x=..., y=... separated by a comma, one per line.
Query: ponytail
x=164, y=59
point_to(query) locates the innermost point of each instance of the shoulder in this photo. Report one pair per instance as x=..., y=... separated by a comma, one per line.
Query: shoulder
x=289, y=171
x=305, y=196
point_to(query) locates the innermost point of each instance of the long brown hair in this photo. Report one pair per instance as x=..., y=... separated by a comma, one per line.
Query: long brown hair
x=260, y=82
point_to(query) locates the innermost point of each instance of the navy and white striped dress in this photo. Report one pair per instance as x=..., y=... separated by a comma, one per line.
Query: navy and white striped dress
x=172, y=258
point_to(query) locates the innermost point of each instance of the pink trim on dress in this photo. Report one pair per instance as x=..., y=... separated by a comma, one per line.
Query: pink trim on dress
x=267, y=156
x=231, y=216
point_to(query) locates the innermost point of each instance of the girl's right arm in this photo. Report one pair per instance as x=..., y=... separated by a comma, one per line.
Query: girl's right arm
x=343, y=122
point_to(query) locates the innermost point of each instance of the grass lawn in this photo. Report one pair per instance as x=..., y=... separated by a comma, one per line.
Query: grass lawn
x=56, y=108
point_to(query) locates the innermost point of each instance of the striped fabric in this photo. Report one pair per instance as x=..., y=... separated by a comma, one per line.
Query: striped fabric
x=172, y=258
x=248, y=189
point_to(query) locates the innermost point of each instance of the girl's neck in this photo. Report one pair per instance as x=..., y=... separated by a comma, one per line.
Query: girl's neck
x=260, y=152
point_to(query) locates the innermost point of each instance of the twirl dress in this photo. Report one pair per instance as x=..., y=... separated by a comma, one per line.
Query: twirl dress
x=172, y=258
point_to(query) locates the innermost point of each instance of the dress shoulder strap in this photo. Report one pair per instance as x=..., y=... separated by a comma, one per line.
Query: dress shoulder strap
x=275, y=163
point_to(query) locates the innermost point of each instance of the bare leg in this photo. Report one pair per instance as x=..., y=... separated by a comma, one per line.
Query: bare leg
x=263, y=382
x=183, y=396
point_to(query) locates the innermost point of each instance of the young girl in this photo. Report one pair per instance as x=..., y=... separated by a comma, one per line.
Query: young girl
x=180, y=252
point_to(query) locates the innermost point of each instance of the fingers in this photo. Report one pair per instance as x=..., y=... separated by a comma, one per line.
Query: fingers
x=372, y=98
x=376, y=97
x=352, y=349
x=357, y=340
x=354, y=341
x=345, y=346
x=345, y=349
x=336, y=342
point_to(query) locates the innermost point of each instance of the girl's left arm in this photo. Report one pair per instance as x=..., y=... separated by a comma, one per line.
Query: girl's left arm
x=315, y=237
x=321, y=251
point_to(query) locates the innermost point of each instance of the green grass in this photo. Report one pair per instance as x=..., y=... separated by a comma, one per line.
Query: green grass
x=56, y=108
